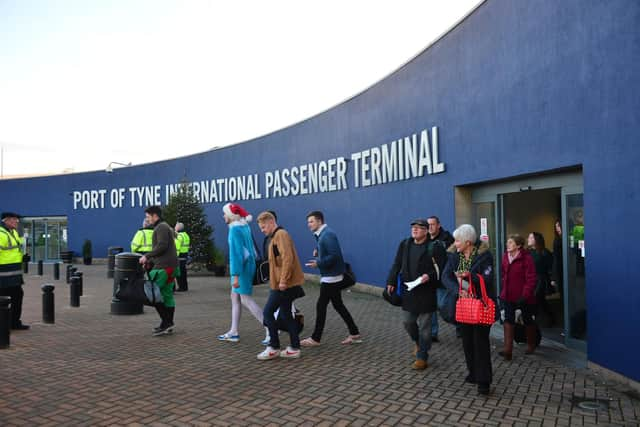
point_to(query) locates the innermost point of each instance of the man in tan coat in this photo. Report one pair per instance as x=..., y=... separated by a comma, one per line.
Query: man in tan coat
x=285, y=279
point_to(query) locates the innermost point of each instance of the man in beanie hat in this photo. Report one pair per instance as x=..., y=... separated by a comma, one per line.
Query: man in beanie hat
x=11, y=266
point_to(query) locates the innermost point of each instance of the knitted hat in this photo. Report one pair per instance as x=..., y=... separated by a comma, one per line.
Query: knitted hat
x=235, y=212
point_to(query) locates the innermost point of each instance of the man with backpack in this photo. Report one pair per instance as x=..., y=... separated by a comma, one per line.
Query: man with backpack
x=417, y=264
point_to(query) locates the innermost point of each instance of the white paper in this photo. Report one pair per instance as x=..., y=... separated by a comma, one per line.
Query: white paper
x=411, y=285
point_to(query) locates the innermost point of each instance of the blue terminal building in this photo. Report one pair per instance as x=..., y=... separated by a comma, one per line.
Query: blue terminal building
x=524, y=113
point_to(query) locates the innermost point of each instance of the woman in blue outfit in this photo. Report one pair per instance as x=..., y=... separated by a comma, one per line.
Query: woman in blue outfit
x=242, y=268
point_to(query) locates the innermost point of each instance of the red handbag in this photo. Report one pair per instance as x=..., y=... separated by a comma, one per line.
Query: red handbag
x=475, y=311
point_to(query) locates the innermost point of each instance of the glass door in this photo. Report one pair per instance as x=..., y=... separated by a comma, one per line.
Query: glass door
x=45, y=238
x=573, y=237
x=486, y=220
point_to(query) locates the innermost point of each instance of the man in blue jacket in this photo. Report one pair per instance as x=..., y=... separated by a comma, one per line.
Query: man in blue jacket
x=328, y=258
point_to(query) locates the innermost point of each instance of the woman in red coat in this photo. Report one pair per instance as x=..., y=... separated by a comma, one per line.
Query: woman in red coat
x=518, y=290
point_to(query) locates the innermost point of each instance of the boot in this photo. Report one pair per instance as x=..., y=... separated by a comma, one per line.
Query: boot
x=508, y=341
x=171, y=311
x=532, y=334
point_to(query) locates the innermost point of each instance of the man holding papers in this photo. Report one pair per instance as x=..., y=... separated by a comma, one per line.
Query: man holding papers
x=415, y=261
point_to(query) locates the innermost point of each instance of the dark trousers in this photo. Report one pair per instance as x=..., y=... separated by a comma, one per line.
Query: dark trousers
x=280, y=300
x=477, y=352
x=182, y=279
x=16, y=293
x=331, y=292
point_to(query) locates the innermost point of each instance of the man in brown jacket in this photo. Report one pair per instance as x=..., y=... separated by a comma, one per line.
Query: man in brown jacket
x=285, y=279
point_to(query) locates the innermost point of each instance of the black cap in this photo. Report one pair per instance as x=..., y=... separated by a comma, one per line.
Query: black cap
x=9, y=215
x=422, y=222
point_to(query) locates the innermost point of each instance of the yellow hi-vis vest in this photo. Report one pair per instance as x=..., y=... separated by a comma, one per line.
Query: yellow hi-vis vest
x=183, y=243
x=141, y=242
x=10, y=252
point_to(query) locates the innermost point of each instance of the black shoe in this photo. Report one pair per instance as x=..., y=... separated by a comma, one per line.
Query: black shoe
x=484, y=389
x=435, y=339
x=162, y=331
x=181, y=290
x=20, y=327
x=469, y=379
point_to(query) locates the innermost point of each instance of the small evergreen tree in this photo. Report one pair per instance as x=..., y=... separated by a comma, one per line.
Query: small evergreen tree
x=184, y=207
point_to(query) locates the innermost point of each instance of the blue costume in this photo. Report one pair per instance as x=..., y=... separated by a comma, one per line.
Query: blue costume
x=242, y=256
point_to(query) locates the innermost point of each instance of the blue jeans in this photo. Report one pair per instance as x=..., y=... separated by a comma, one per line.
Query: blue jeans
x=418, y=326
x=282, y=300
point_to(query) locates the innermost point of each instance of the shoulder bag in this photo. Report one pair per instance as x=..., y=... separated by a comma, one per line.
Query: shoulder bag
x=475, y=311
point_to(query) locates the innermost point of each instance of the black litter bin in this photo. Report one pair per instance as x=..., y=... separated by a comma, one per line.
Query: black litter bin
x=112, y=251
x=127, y=266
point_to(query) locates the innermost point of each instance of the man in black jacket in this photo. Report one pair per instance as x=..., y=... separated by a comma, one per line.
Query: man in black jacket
x=414, y=268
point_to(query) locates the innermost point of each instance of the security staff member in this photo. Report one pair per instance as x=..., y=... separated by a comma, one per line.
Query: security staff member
x=11, y=266
x=183, y=244
x=141, y=242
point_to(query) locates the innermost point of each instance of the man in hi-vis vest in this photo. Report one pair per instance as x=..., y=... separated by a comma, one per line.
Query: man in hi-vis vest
x=141, y=242
x=183, y=244
x=11, y=266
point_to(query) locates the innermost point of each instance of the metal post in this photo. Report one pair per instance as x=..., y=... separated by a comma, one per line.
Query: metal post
x=74, y=291
x=69, y=267
x=5, y=321
x=40, y=268
x=48, y=304
x=56, y=271
x=79, y=274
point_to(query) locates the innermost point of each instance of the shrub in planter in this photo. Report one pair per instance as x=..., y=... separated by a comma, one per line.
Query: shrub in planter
x=87, y=253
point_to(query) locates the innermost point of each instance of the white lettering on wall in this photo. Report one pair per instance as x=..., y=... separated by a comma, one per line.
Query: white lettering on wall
x=407, y=157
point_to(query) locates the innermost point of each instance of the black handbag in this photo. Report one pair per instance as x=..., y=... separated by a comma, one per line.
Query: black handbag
x=139, y=291
x=348, y=277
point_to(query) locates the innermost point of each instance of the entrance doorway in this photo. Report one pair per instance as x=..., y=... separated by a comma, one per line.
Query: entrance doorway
x=45, y=237
x=535, y=203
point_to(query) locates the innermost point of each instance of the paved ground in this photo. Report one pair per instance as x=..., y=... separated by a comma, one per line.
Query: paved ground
x=93, y=368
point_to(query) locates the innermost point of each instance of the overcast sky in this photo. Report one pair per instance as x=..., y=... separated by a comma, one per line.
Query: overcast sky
x=87, y=82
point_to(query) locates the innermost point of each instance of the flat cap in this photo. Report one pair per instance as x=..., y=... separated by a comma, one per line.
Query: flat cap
x=9, y=215
x=422, y=222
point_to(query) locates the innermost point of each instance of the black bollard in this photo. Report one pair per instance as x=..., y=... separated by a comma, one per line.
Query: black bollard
x=40, y=268
x=74, y=291
x=69, y=267
x=5, y=321
x=79, y=274
x=56, y=271
x=25, y=267
x=48, y=304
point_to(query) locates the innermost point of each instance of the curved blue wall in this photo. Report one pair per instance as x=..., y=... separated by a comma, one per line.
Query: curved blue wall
x=516, y=88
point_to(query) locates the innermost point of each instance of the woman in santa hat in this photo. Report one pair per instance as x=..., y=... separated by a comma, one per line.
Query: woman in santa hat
x=242, y=268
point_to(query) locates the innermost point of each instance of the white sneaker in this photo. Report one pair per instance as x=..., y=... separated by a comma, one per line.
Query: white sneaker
x=268, y=353
x=266, y=340
x=290, y=353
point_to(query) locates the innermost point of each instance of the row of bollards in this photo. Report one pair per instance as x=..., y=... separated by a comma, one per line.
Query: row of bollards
x=74, y=278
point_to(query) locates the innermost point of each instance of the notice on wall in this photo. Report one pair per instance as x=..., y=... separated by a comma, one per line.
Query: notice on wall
x=410, y=157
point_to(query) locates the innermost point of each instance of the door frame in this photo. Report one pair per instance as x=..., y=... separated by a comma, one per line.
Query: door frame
x=569, y=182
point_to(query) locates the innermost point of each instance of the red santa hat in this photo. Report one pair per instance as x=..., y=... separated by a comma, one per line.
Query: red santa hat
x=236, y=212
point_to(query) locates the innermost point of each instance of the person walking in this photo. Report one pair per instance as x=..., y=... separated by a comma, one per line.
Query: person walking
x=285, y=281
x=11, y=279
x=242, y=266
x=518, y=273
x=543, y=260
x=162, y=265
x=415, y=262
x=328, y=258
x=141, y=242
x=183, y=245
x=469, y=258
x=438, y=235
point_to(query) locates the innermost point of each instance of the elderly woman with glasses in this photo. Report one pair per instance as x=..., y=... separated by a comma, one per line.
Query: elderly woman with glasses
x=468, y=259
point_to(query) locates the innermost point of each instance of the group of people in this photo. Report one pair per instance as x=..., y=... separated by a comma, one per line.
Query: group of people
x=285, y=280
x=428, y=266
x=432, y=264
